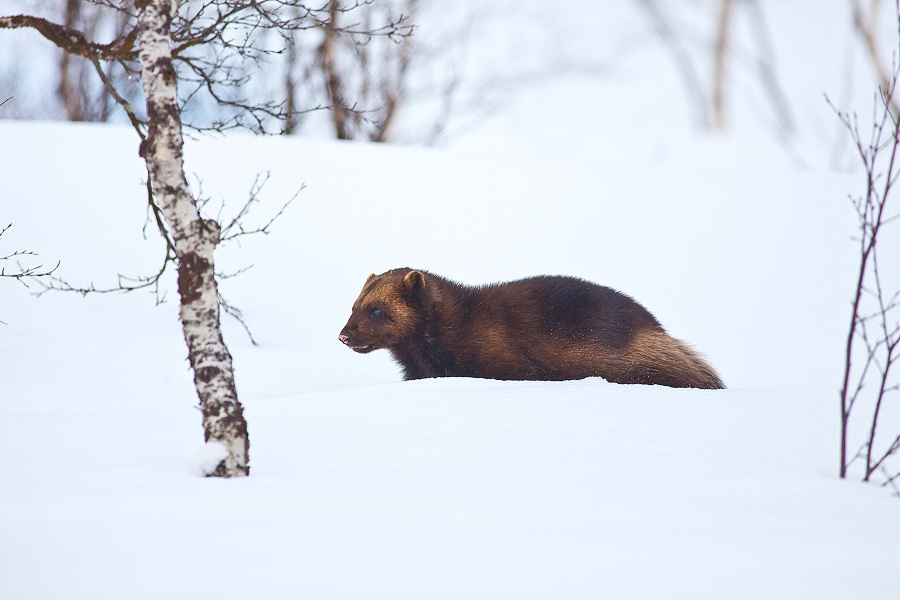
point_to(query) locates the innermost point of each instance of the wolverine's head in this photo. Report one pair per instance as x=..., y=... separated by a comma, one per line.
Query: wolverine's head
x=384, y=315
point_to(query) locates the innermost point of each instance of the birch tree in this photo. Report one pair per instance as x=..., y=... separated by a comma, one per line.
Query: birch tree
x=194, y=239
x=210, y=48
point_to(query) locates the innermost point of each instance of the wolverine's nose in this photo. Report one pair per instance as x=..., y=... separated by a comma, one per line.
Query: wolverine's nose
x=345, y=339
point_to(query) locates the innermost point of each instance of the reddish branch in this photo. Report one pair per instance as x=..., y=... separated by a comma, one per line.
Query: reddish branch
x=880, y=348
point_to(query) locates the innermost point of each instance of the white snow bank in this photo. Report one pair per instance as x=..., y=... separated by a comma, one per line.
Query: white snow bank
x=364, y=486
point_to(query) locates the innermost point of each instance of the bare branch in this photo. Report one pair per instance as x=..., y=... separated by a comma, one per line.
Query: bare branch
x=235, y=229
x=238, y=316
x=23, y=273
x=73, y=41
x=874, y=333
x=680, y=55
x=139, y=126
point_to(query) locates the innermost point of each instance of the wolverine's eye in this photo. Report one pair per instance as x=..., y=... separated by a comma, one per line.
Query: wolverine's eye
x=376, y=312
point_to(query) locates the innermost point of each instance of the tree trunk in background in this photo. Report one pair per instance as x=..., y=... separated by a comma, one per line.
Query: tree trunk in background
x=70, y=90
x=194, y=239
x=290, y=59
x=867, y=27
x=333, y=84
x=720, y=65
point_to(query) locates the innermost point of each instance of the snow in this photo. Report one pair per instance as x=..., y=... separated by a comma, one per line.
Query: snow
x=208, y=457
x=364, y=486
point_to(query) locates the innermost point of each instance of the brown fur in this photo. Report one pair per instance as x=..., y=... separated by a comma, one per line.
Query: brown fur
x=547, y=328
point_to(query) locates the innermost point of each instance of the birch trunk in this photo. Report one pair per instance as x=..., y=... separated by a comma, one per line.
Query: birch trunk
x=194, y=239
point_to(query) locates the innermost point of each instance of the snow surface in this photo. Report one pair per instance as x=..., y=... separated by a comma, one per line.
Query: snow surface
x=363, y=486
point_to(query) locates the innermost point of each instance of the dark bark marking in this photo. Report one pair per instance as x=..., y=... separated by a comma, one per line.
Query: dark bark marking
x=206, y=374
x=166, y=70
x=191, y=267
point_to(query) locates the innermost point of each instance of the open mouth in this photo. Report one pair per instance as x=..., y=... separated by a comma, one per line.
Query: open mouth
x=362, y=349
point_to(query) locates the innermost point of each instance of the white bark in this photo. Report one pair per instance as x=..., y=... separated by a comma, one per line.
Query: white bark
x=194, y=239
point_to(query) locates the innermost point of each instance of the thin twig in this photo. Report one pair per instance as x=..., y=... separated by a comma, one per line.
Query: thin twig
x=23, y=273
x=126, y=106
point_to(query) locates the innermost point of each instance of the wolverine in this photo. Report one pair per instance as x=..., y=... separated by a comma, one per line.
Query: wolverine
x=541, y=328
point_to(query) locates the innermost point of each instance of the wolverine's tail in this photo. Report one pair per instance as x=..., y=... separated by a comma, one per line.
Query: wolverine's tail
x=671, y=362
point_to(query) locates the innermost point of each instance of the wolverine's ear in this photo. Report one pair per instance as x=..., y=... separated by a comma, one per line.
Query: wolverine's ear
x=370, y=277
x=413, y=281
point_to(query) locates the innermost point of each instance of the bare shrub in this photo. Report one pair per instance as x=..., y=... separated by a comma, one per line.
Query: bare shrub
x=871, y=381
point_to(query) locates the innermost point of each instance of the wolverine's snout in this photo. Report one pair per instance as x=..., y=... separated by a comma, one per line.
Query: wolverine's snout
x=355, y=345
